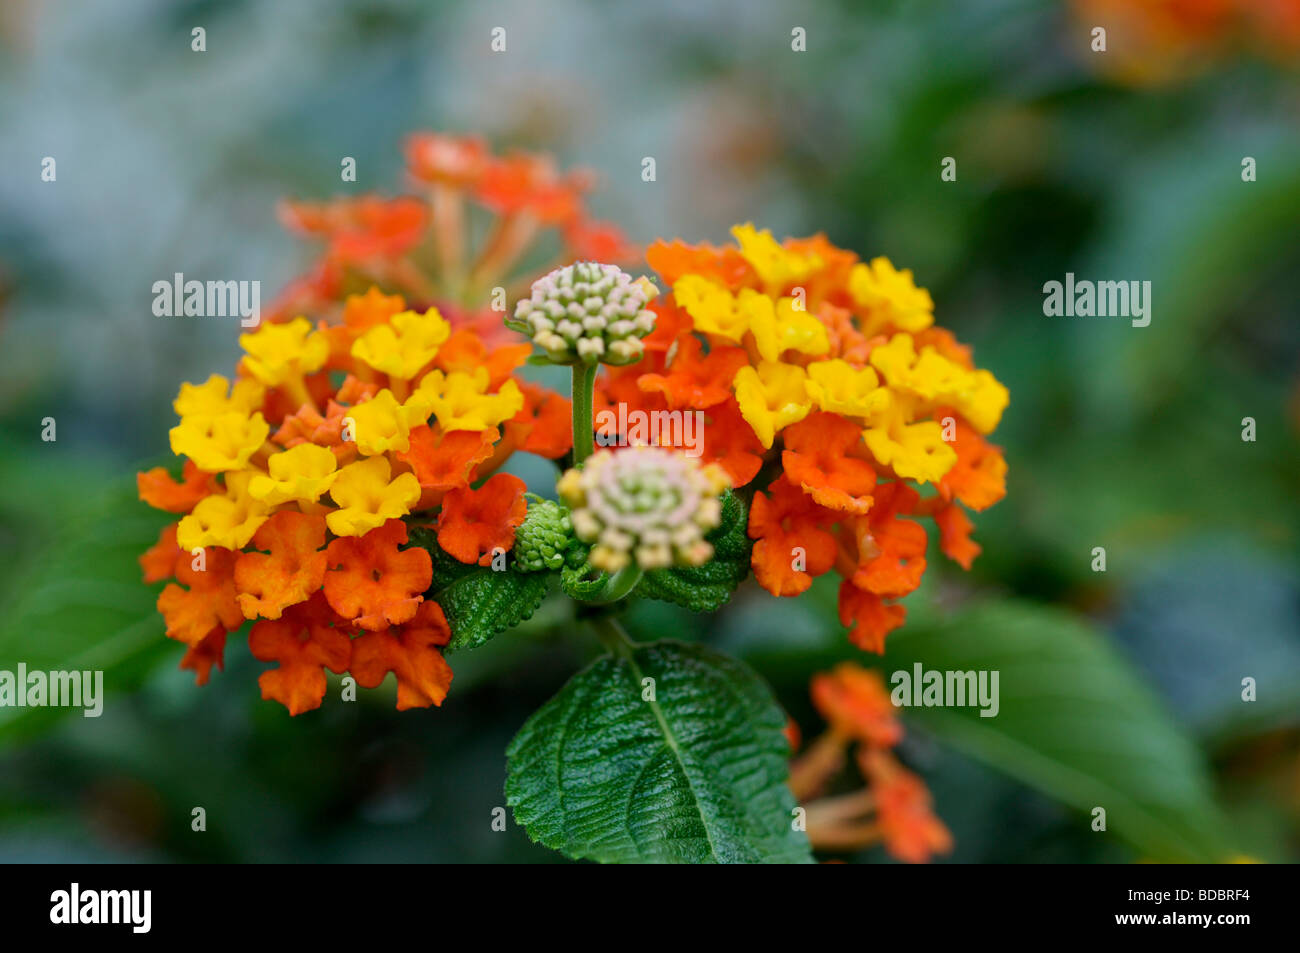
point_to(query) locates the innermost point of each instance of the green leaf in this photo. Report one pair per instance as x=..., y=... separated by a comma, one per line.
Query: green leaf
x=80, y=605
x=480, y=602
x=707, y=588
x=695, y=775
x=1074, y=721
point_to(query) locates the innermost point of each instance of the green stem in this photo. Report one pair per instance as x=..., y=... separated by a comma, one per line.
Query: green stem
x=612, y=636
x=584, y=387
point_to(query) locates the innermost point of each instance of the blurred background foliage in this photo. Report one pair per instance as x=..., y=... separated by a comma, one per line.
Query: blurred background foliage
x=1120, y=688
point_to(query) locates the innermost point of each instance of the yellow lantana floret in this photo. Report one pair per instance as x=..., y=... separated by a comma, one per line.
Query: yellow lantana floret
x=772, y=397
x=461, y=401
x=777, y=267
x=712, y=308
x=981, y=400
x=892, y=297
x=368, y=498
x=302, y=473
x=210, y=397
x=780, y=326
x=279, y=354
x=381, y=424
x=219, y=442
x=915, y=451
x=839, y=387
x=404, y=346
x=227, y=520
x=976, y=395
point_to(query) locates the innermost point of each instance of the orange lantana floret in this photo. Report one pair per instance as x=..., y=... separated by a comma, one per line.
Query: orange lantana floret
x=209, y=602
x=824, y=454
x=306, y=640
x=464, y=351
x=158, y=562
x=373, y=584
x=697, y=380
x=910, y=829
x=978, y=478
x=207, y=652
x=444, y=460
x=954, y=535
x=730, y=443
x=868, y=617
x=891, y=549
x=791, y=547
x=411, y=653
x=855, y=702
x=476, y=523
x=359, y=229
x=543, y=425
x=159, y=490
x=293, y=570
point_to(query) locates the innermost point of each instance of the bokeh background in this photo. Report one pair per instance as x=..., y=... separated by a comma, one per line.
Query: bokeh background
x=1120, y=688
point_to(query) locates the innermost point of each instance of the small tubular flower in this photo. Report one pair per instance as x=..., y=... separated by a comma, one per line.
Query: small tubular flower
x=278, y=354
x=373, y=584
x=226, y=520
x=792, y=544
x=404, y=345
x=305, y=642
x=775, y=265
x=462, y=401
x=291, y=569
x=412, y=652
x=911, y=831
x=382, y=425
x=778, y=326
x=220, y=442
x=217, y=395
x=824, y=455
x=210, y=601
x=369, y=496
x=444, y=460
x=587, y=313
x=890, y=297
x=694, y=379
x=644, y=505
x=916, y=451
x=855, y=702
x=475, y=523
x=771, y=397
x=713, y=309
x=302, y=473
x=837, y=387
x=157, y=488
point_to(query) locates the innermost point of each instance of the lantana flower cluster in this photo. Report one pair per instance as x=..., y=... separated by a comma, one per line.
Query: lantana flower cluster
x=302, y=474
x=826, y=389
x=378, y=389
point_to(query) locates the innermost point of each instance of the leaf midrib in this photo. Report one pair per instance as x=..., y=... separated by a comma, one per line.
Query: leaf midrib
x=670, y=741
